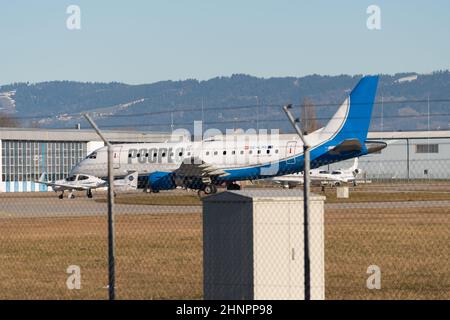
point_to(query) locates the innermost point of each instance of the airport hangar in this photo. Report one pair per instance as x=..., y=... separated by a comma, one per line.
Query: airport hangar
x=27, y=153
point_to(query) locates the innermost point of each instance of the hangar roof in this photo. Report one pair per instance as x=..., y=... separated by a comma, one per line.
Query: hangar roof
x=409, y=135
x=84, y=135
x=154, y=136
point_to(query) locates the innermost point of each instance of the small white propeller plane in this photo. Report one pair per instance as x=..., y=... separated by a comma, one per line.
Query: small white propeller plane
x=84, y=182
x=321, y=177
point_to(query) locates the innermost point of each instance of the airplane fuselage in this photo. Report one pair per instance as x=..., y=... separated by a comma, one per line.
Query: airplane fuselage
x=235, y=157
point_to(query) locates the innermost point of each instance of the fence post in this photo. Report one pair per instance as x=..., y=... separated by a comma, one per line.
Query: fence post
x=306, y=192
x=111, y=254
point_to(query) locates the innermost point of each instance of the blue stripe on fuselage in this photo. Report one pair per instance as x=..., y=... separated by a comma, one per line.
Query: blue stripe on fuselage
x=320, y=155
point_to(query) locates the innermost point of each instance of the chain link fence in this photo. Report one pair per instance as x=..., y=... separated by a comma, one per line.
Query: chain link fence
x=384, y=234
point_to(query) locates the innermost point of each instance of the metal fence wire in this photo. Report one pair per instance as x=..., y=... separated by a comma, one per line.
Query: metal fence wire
x=382, y=235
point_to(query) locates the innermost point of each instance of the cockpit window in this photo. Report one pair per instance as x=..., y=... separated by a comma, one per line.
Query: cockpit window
x=336, y=172
x=83, y=177
x=71, y=178
x=93, y=155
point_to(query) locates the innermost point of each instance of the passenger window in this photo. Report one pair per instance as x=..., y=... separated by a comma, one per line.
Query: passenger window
x=268, y=151
x=215, y=153
x=224, y=153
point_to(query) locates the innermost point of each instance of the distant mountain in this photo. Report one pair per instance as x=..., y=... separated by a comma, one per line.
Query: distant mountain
x=402, y=102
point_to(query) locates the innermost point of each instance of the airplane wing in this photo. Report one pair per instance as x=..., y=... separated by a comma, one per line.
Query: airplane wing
x=69, y=186
x=197, y=168
x=347, y=146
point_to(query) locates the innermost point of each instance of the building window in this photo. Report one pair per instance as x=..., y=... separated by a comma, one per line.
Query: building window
x=427, y=148
x=26, y=161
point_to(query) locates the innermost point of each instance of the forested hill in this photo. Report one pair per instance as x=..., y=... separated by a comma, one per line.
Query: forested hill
x=177, y=103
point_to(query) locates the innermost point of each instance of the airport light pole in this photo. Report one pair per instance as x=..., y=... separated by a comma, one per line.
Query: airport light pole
x=111, y=255
x=306, y=191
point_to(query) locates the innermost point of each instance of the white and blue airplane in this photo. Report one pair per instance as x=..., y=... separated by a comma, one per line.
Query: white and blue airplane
x=226, y=160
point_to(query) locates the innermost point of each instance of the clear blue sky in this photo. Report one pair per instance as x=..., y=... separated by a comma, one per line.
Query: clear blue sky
x=146, y=41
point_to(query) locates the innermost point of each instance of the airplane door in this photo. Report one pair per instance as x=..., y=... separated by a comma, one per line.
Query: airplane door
x=116, y=157
x=290, y=151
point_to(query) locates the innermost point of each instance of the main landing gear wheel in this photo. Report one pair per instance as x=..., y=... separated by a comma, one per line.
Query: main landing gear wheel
x=207, y=190
x=89, y=194
x=210, y=189
x=61, y=196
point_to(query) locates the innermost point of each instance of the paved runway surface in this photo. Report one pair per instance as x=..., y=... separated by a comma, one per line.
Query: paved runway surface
x=47, y=207
x=51, y=207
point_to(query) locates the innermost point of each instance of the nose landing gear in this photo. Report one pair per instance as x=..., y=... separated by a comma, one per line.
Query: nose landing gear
x=69, y=196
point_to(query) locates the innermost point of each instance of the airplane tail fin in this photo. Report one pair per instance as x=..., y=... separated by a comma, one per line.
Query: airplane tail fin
x=42, y=177
x=352, y=119
x=355, y=165
x=131, y=180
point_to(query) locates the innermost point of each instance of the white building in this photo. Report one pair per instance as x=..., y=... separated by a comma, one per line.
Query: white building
x=409, y=155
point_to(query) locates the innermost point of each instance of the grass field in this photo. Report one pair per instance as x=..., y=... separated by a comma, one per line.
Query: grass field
x=160, y=256
x=356, y=195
